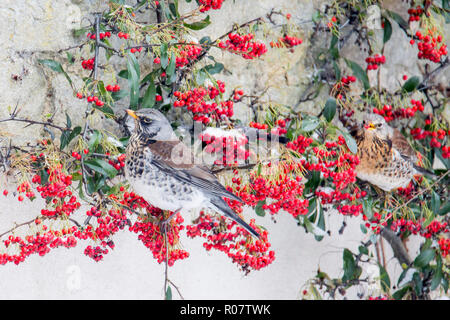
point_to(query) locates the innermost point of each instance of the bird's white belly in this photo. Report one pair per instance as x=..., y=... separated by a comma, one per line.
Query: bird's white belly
x=383, y=182
x=160, y=198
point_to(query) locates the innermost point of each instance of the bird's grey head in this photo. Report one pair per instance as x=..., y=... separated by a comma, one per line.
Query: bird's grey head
x=374, y=124
x=150, y=123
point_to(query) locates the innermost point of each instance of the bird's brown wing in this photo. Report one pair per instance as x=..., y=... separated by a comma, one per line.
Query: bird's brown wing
x=175, y=158
x=402, y=145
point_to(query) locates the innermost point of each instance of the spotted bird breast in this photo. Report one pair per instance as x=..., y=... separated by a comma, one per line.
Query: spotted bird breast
x=380, y=164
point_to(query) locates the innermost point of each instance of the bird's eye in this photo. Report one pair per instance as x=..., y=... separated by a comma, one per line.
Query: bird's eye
x=364, y=121
x=146, y=121
x=379, y=125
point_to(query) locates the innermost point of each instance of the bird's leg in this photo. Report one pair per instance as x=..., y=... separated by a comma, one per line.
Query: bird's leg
x=163, y=224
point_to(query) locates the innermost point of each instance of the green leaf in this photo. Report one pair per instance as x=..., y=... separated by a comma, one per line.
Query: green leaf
x=313, y=181
x=337, y=71
x=164, y=56
x=171, y=67
x=94, y=140
x=55, y=66
x=363, y=250
x=310, y=123
x=149, y=97
x=359, y=72
x=214, y=68
x=387, y=31
x=400, y=21
x=168, y=295
x=101, y=167
x=330, y=109
x=424, y=258
x=64, y=139
x=133, y=81
x=123, y=74
x=435, y=202
x=351, y=143
x=399, y=294
x=68, y=121
x=384, y=279
x=411, y=84
x=76, y=131
x=438, y=275
x=199, y=25
x=350, y=266
x=259, y=208
x=444, y=209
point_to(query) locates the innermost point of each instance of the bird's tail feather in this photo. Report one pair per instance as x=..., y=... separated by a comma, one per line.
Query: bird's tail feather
x=424, y=171
x=220, y=205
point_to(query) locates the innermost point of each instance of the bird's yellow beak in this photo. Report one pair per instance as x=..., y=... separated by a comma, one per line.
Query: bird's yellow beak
x=131, y=113
x=369, y=126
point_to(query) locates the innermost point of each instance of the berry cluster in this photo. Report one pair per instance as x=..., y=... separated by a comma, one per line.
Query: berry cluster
x=243, y=45
x=390, y=114
x=227, y=236
x=205, y=112
x=415, y=13
x=102, y=35
x=416, y=227
x=187, y=54
x=228, y=149
x=88, y=64
x=444, y=246
x=429, y=46
x=440, y=134
x=375, y=61
x=286, y=41
x=206, y=5
x=123, y=35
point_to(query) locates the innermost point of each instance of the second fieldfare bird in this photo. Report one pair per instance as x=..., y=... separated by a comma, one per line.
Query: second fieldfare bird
x=162, y=170
x=386, y=158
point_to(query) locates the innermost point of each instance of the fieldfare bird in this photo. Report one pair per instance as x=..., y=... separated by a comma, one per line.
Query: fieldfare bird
x=163, y=170
x=386, y=158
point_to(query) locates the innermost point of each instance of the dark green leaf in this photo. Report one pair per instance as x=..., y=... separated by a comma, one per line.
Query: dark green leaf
x=387, y=31
x=438, y=275
x=149, y=97
x=444, y=209
x=363, y=250
x=330, y=109
x=259, y=208
x=384, y=279
x=164, y=55
x=64, y=139
x=400, y=21
x=123, y=74
x=399, y=294
x=214, y=68
x=411, y=84
x=168, y=293
x=199, y=25
x=55, y=66
x=424, y=258
x=435, y=202
x=359, y=72
x=350, y=266
x=171, y=67
x=68, y=122
x=101, y=167
x=351, y=143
